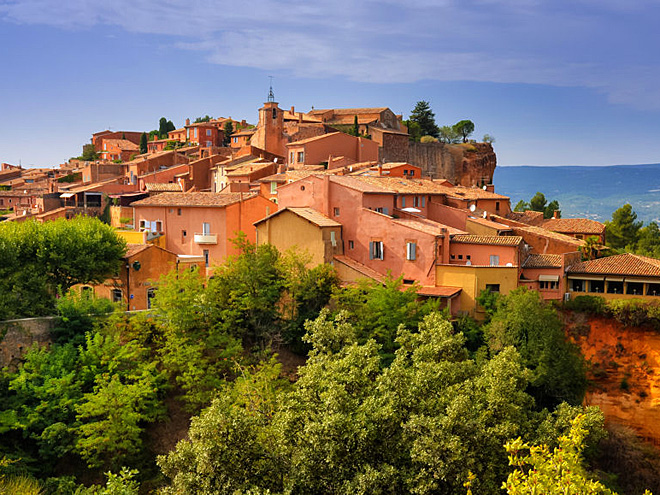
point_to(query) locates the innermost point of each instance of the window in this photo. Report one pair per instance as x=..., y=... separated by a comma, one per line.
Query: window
x=184, y=234
x=335, y=212
x=614, y=287
x=494, y=259
x=274, y=113
x=460, y=256
x=403, y=201
x=382, y=210
x=376, y=250
x=235, y=140
x=159, y=226
x=351, y=245
x=634, y=288
x=273, y=187
x=301, y=156
x=333, y=239
x=209, y=144
x=178, y=211
x=548, y=284
x=116, y=295
x=411, y=172
x=208, y=132
x=416, y=201
x=423, y=201
x=577, y=285
x=467, y=257
x=653, y=290
x=411, y=251
x=497, y=206
x=493, y=287
x=206, y=257
x=452, y=256
x=206, y=228
x=597, y=286
x=151, y=293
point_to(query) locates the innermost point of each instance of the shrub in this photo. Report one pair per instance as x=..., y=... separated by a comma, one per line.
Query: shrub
x=635, y=312
x=595, y=305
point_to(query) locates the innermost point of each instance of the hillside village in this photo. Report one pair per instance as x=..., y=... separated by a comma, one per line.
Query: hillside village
x=372, y=203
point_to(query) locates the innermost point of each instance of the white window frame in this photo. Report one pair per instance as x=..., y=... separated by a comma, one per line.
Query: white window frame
x=376, y=250
x=494, y=260
x=411, y=251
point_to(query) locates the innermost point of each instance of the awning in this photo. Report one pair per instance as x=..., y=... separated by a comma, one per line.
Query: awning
x=586, y=277
x=548, y=278
x=614, y=279
x=67, y=195
x=643, y=281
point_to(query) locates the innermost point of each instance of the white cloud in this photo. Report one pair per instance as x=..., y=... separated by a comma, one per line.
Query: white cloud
x=584, y=43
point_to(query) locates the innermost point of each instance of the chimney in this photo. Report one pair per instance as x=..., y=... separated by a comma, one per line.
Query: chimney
x=300, y=118
x=187, y=121
x=380, y=169
x=293, y=109
x=556, y=214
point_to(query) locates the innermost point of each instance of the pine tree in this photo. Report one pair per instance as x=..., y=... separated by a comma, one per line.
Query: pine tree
x=425, y=118
x=143, y=143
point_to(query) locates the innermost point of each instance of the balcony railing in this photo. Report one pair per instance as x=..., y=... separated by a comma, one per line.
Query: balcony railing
x=206, y=238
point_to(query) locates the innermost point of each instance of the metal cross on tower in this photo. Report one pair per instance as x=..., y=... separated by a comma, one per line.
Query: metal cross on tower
x=271, y=95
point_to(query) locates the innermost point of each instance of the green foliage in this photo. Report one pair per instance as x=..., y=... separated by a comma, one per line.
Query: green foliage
x=635, y=312
x=229, y=130
x=77, y=311
x=423, y=116
x=198, y=120
x=595, y=305
x=143, y=143
x=522, y=320
x=623, y=229
x=549, y=472
x=538, y=203
x=350, y=426
x=522, y=205
x=164, y=126
x=428, y=139
x=471, y=330
x=489, y=301
x=122, y=483
x=378, y=310
x=355, y=130
x=464, y=128
x=68, y=179
x=648, y=243
x=414, y=130
x=89, y=153
x=37, y=260
x=447, y=134
x=488, y=139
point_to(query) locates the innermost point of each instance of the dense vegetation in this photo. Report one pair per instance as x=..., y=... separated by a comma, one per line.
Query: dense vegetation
x=38, y=260
x=393, y=397
x=538, y=203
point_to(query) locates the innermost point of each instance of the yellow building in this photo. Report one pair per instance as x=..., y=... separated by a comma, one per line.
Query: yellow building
x=304, y=229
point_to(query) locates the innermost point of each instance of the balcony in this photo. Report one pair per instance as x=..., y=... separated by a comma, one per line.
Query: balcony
x=206, y=238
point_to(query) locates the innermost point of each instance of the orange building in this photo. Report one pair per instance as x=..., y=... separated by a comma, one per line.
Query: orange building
x=118, y=149
x=320, y=149
x=201, y=223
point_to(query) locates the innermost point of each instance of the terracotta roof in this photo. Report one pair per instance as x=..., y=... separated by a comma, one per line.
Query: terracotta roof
x=360, y=268
x=543, y=261
x=348, y=111
x=574, y=225
x=133, y=249
x=491, y=240
x=529, y=217
x=442, y=291
x=244, y=132
x=122, y=144
x=427, y=226
x=162, y=187
x=622, y=264
x=489, y=223
x=550, y=234
x=249, y=168
x=314, y=138
x=194, y=199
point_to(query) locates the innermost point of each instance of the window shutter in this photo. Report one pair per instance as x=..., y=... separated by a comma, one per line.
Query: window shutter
x=371, y=250
x=382, y=251
x=385, y=211
x=423, y=201
x=403, y=201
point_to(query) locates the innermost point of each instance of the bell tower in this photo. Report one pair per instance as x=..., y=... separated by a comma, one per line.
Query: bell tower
x=270, y=133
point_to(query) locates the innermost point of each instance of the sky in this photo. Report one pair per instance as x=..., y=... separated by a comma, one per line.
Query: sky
x=555, y=82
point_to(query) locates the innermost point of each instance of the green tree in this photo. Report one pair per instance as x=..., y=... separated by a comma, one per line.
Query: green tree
x=143, y=143
x=414, y=130
x=229, y=130
x=522, y=205
x=164, y=126
x=464, y=128
x=523, y=320
x=198, y=120
x=424, y=117
x=538, y=202
x=488, y=139
x=551, y=207
x=623, y=230
x=89, y=153
x=448, y=134
x=648, y=243
x=355, y=131
x=78, y=311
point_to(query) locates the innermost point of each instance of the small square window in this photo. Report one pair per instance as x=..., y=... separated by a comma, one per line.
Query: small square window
x=452, y=256
x=178, y=211
x=467, y=257
x=460, y=256
x=335, y=211
x=351, y=245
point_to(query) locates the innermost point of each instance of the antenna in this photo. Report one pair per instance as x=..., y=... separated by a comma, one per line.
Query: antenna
x=271, y=95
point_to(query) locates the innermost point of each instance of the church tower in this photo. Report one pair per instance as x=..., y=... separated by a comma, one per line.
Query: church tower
x=270, y=130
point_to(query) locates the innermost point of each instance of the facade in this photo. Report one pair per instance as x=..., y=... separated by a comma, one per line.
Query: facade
x=201, y=223
x=320, y=149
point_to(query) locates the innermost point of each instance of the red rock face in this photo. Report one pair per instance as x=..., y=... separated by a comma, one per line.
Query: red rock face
x=468, y=164
x=625, y=370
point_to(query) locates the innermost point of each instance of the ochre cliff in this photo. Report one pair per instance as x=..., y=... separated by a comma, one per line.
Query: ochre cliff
x=625, y=369
x=468, y=164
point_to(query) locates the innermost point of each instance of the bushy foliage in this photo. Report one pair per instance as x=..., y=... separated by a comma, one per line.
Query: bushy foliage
x=595, y=305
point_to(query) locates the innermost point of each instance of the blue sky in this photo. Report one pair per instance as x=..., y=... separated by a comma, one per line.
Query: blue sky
x=556, y=82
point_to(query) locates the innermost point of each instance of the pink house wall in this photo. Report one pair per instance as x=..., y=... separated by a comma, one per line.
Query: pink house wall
x=480, y=254
x=339, y=144
x=447, y=215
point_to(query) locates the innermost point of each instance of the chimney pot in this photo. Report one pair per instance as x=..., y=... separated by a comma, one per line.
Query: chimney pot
x=187, y=121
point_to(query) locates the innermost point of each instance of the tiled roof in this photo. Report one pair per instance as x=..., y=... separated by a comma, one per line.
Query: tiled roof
x=244, y=132
x=529, y=217
x=622, y=264
x=162, y=187
x=194, y=199
x=249, y=168
x=133, y=249
x=489, y=223
x=360, y=268
x=574, y=225
x=316, y=217
x=543, y=261
x=348, y=111
x=427, y=226
x=441, y=291
x=312, y=139
x=550, y=234
x=122, y=144
x=491, y=240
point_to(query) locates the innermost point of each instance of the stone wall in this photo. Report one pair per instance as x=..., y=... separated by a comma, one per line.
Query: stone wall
x=17, y=336
x=469, y=164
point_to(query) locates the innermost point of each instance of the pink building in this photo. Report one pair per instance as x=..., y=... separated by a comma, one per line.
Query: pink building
x=320, y=149
x=201, y=223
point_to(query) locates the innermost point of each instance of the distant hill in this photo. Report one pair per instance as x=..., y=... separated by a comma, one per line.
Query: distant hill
x=591, y=192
